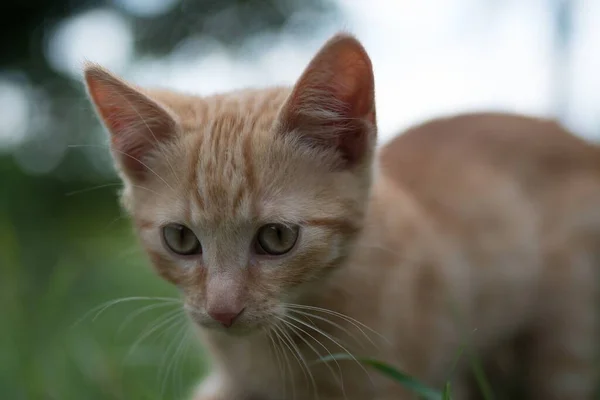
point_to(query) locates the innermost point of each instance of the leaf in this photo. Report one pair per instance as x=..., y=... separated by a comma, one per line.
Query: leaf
x=405, y=380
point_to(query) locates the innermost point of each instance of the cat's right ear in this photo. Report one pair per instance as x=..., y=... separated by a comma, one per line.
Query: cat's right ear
x=332, y=106
x=137, y=124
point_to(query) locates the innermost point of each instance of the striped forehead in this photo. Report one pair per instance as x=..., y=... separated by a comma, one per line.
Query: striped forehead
x=224, y=160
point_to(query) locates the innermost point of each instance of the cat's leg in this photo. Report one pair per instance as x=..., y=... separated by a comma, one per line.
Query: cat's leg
x=566, y=334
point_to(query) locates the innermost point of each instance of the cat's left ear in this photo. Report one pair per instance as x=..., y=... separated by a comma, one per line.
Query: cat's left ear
x=136, y=123
x=332, y=106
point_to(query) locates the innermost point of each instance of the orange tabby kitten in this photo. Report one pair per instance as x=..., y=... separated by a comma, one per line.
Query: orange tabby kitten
x=291, y=237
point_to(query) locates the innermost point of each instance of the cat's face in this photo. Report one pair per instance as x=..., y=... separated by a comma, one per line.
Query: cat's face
x=243, y=200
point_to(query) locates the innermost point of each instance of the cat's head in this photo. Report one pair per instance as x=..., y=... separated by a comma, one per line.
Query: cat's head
x=245, y=199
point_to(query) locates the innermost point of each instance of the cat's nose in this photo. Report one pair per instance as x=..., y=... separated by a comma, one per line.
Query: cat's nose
x=226, y=318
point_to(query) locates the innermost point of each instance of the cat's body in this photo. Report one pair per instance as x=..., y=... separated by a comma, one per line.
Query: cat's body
x=476, y=229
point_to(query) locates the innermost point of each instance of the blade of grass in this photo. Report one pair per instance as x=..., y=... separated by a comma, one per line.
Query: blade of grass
x=482, y=382
x=459, y=354
x=446, y=392
x=475, y=363
x=405, y=380
x=447, y=388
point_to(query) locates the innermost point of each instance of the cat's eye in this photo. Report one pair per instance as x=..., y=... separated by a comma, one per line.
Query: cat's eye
x=181, y=240
x=275, y=239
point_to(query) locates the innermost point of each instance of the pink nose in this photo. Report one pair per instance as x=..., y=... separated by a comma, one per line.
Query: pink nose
x=226, y=318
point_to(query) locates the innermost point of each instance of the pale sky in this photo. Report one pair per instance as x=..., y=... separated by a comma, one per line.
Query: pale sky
x=431, y=58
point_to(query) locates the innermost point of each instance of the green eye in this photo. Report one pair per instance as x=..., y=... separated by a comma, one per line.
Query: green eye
x=181, y=240
x=275, y=239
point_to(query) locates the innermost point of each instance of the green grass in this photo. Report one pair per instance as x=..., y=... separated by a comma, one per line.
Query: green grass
x=61, y=257
x=414, y=385
x=410, y=383
x=56, y=349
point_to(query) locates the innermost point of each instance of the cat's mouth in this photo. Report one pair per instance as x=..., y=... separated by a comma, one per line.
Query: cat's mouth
x=241, y=327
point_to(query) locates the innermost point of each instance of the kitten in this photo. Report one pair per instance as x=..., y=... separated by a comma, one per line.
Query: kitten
x=291, y=237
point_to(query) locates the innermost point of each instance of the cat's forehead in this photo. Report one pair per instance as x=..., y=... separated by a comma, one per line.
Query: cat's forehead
x=253, y=108
x=235, y=166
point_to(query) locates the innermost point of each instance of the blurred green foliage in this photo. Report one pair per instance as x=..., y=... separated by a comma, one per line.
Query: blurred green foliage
x=62, y=256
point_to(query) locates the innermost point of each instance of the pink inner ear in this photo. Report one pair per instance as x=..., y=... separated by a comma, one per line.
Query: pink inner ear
x=136, y=123
x=333, y=105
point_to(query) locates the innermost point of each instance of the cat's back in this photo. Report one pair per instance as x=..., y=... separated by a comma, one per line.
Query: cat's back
x=528, y=147
x=492, y=158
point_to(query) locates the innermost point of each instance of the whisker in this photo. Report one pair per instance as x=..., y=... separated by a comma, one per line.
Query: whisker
x=176, y=325
x=113, y=184
x=316, y=329
x=111, y=223
x=276, y=354
x=310, y=315
x=148, y=190
x=180, y=363
x=292, y=329
x=106, y=305
x=340, y=379
x=164, y=321
x=127, y=155
x=182, y=331
x=167, y=357
x=351, y=320
x=89, y=189
x=301, y=361
x=144, y=309
x=279, y=333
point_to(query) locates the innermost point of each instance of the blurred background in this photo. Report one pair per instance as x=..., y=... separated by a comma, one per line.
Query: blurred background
x=66, y=250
